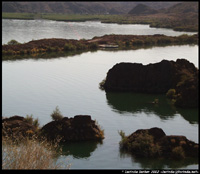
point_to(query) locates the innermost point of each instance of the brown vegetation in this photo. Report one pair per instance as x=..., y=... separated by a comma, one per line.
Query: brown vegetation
x=155, y=143
x=54, y=45
x=27, y=146
x=29, y=154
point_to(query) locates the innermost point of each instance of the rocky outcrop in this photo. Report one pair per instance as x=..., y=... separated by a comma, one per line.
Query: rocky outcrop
x=79, y=128
x=156, y=78
x=17, y=127
x=155, y=143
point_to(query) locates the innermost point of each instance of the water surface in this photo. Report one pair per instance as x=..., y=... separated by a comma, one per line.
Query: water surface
x=72, y=83
x=27, y=30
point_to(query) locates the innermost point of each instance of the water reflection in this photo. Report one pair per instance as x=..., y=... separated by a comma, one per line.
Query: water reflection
x=189, y=114
x=135, y=103
x=160, y=163
x=79, y=149
x=45, y=55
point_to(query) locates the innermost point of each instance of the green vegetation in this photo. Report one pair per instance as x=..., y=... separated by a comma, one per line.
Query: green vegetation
x=56, y=114
x=39, y=48
x=15, y=51
x=58, y=17
x=75, y=17
x=143, y=145
x=178, y=152
x=171, y=93
x=32, y=121
x=69, y=47
x=13, y=42
x=101, y=84
x=26, y=16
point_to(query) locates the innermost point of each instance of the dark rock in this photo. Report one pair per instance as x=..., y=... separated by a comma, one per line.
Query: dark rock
x=152, y=78
x=155, y=143
x=81, y=120
x=157, y=133
x=79, y=128
x=17, y=127
x=188, y=93
x=156, y=78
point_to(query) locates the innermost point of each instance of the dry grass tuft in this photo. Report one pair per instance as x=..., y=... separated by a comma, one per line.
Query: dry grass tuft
x=30, y=154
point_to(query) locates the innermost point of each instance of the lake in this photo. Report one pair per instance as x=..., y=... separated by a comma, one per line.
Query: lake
x=72, y=83
x=27, y=30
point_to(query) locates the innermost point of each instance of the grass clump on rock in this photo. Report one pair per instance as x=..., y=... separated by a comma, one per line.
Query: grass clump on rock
x=56, y=114
x=143, y=145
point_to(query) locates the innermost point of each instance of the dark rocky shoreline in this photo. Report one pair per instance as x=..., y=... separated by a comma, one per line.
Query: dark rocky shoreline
x=142, y=143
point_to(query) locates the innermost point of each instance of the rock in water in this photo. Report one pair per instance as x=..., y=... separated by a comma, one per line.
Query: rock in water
x=79, y=128
x=17, y=127
x=156, y=78
x=155, y=143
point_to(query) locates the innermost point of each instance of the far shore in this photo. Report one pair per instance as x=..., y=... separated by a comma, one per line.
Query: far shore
x=154, y=20
x=36, y=48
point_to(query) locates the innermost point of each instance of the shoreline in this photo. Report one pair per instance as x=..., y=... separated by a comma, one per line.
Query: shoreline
x=35, y=48
x=152, y=20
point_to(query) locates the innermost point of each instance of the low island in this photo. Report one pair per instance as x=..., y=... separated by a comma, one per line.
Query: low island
x=39, y=48
x=154, y=142
x=177, y=79
x=78, y=128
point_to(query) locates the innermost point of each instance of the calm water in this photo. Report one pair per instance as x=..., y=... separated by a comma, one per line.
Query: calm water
x=38, y=86
x=28, y=30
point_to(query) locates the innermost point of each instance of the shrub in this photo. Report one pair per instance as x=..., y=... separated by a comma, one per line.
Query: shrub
x=122, y=134
x=141, y=145
x=178, y=152
x=93, y=46
x=49, y=49
x=171, y=93
x=22, y=52
x=124, y=143
x=32, y=121
x=144, y=145
x=80, y=46
x=164, y=40
x=137, y=42
x=101, y=84
x=101, y=135
x=56, y=114
x=127, y=44
x=69, y=47
x=29, y=154
x=13, y=42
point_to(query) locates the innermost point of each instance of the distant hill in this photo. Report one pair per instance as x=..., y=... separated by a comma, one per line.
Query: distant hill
x=142, y=9
x=178, y=8
x=186, y=7
x=78, y=7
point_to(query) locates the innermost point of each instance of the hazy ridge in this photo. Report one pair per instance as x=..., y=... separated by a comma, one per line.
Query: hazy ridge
x=79, y=7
